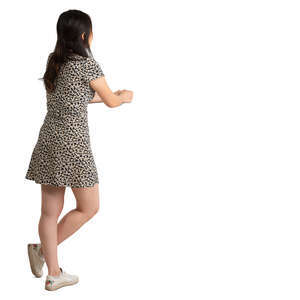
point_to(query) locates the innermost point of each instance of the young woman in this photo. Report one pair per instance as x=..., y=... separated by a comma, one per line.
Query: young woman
x=62, y=155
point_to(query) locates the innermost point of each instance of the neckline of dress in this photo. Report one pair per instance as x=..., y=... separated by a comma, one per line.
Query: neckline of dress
x=76, y=56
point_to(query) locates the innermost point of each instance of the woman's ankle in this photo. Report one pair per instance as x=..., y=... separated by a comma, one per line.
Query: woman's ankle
x=54, y=273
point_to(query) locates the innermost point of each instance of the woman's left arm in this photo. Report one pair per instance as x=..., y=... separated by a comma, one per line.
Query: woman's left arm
x=97, y=98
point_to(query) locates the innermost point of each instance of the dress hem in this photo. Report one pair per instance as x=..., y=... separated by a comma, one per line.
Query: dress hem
x=61, y=185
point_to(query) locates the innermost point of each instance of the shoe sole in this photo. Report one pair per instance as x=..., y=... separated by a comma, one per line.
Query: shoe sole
x=30, y=256
x=60, y=285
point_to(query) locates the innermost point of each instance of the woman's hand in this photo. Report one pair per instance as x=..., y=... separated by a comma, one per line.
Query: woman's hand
x=118, y=92
x=126, y=96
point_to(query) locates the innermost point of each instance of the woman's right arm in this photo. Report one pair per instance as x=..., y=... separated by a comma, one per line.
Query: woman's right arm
x=108, y=97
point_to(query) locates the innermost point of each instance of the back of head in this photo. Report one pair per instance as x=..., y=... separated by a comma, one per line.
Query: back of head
x=71, y=25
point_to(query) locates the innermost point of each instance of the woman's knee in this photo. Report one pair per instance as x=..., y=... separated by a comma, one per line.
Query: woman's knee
x=87, y=200
x=52, y=201
x=51, y=210
x=50, y=214
x=90, y=211
x=96, y=207
x=94, y=211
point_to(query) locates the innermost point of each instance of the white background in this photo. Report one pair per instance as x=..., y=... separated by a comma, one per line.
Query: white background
x=199, y=175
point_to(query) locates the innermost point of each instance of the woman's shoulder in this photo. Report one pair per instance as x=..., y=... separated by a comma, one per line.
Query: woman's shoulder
x=91, y=61
x=87, y=66
x=92, y=69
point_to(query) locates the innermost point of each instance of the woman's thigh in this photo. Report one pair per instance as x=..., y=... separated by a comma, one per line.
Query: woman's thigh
x=52, y=200
x=87, y=198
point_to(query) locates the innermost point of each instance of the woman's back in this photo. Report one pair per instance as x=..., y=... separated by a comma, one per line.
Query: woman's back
x=73, y=92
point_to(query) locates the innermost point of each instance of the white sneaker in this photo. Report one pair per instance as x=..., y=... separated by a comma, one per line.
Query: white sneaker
x=53, y=283
x=36, y=259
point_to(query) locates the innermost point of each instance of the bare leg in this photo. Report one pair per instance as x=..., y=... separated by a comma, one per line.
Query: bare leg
x=52, y=205
x=87, y=200
x=87, y=205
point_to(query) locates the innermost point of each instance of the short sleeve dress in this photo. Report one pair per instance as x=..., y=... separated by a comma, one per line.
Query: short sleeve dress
x=62, y=155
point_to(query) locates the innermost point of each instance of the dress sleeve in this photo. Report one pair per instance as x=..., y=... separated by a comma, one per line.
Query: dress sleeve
x=92, y=69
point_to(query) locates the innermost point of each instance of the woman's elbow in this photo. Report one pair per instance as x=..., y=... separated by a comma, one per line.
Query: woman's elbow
x=113, y=104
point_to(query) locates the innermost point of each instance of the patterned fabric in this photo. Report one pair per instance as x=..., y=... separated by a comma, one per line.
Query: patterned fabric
x=62, y=155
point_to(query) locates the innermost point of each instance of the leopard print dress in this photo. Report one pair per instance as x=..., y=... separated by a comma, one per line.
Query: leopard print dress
x=62, y=155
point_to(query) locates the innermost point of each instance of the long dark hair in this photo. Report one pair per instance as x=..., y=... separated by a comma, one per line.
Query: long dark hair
x=70, y=26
